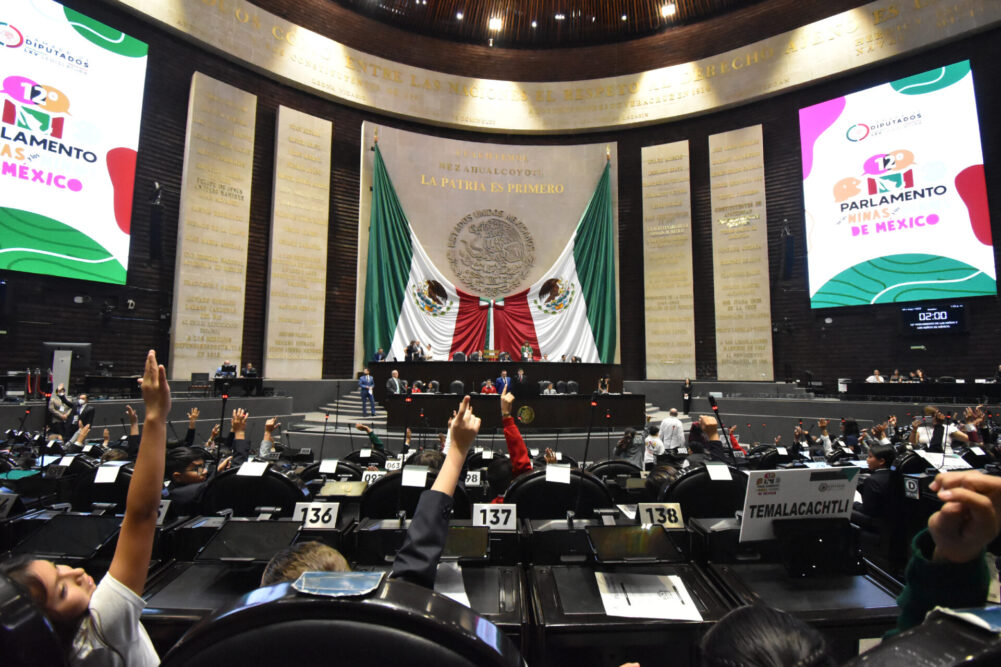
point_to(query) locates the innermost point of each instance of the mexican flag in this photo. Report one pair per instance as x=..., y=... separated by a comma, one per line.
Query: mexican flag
x=569, y=311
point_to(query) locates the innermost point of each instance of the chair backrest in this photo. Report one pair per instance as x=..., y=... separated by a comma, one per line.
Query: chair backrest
x=401, y=623
x=459, y=356
x=572, y=387
x=561, y=387
x=27, y=637
x=703, y=498
x=385, y=497
x=374, y=458
x=542, y=385
x=612, y=468
x=114, y=492
x=538, y=499
x=353, y=472
x=457, y=387
x=475, y=460
x=242, y=494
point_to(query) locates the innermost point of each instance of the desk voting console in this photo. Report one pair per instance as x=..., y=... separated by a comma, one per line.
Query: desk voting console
x=579, y=623
x=227, y=567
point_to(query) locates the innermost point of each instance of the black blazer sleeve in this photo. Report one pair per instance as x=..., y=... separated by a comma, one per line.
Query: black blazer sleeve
x=417, y=560
x=189, y=437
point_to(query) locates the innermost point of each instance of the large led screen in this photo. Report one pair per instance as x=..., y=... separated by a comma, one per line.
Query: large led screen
x=71, y=92
x=893, y=185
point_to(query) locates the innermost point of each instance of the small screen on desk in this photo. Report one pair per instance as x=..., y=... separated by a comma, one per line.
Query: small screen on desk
x=70, y=536
x=466, y=542
x=250, y=540
x=616, y=544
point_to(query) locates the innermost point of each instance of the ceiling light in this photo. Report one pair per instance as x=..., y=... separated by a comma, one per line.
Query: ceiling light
x=534, y=24
x=624, y=17
x=458, y=15
x=668, y=10
x=559, y=17
x=495, y=23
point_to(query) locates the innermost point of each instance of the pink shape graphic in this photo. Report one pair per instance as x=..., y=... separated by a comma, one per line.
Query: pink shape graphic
x=971, y=187
x=813, y=121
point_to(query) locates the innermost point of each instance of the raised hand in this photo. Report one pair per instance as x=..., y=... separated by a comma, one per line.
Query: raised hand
x=464, y=427
x=506, y=401
x=156, y=391
x=970, y=517
x=271, y=424
x=239, y=422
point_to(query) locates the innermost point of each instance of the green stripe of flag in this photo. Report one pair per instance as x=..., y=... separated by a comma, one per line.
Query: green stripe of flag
x=594, y=255
x=389, y=257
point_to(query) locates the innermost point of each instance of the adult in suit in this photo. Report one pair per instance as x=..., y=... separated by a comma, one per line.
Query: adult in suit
x=366, y=384
x=502, y=383
x=394, y=385
x=83, y=412
x=476, y=356
x=379, y=356
x=60, y=411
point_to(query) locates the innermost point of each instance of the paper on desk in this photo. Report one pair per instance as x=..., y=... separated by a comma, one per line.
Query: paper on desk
x=943, y=461
x=108, y=472
x=252, y=469
x=646, y=596
x=719, y=472
x=558, y=472
x=415, y=476
x=628, y=510
x=448, y=582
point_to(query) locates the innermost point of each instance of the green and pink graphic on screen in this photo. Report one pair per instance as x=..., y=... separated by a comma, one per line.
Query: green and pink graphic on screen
x=71, y=93
x=896, y=202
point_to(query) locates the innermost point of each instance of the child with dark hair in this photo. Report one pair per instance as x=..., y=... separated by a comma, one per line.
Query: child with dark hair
x=99, y=623
x=188, y=478
x=764, y=637
x=875, y=490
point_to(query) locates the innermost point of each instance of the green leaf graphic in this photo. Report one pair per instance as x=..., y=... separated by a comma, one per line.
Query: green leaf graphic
x=936, y=79
x=899, y=278
x=37, y=244
x=105, y=36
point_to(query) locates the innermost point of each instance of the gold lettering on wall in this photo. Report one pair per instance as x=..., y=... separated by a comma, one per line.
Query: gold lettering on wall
x=213, y=228
x=740, y=256
x=667, y=262
x=297, y=276
x=854, y=38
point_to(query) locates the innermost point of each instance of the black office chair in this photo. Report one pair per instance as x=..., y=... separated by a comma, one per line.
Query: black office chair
x=352, y=471
x=457, y=387
x=459, y=356
x=434, y=386
x=113, y=492
x=561, y=387
x=400, y=623
x=613, y=468
x=703, y=498
x=375, y=458
x=538, y=499
x=543, y=384
x=243, y=494
x=572, y=387
x=475, y=460
x=27, y=637
x=910, y=463
x=385, y=497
